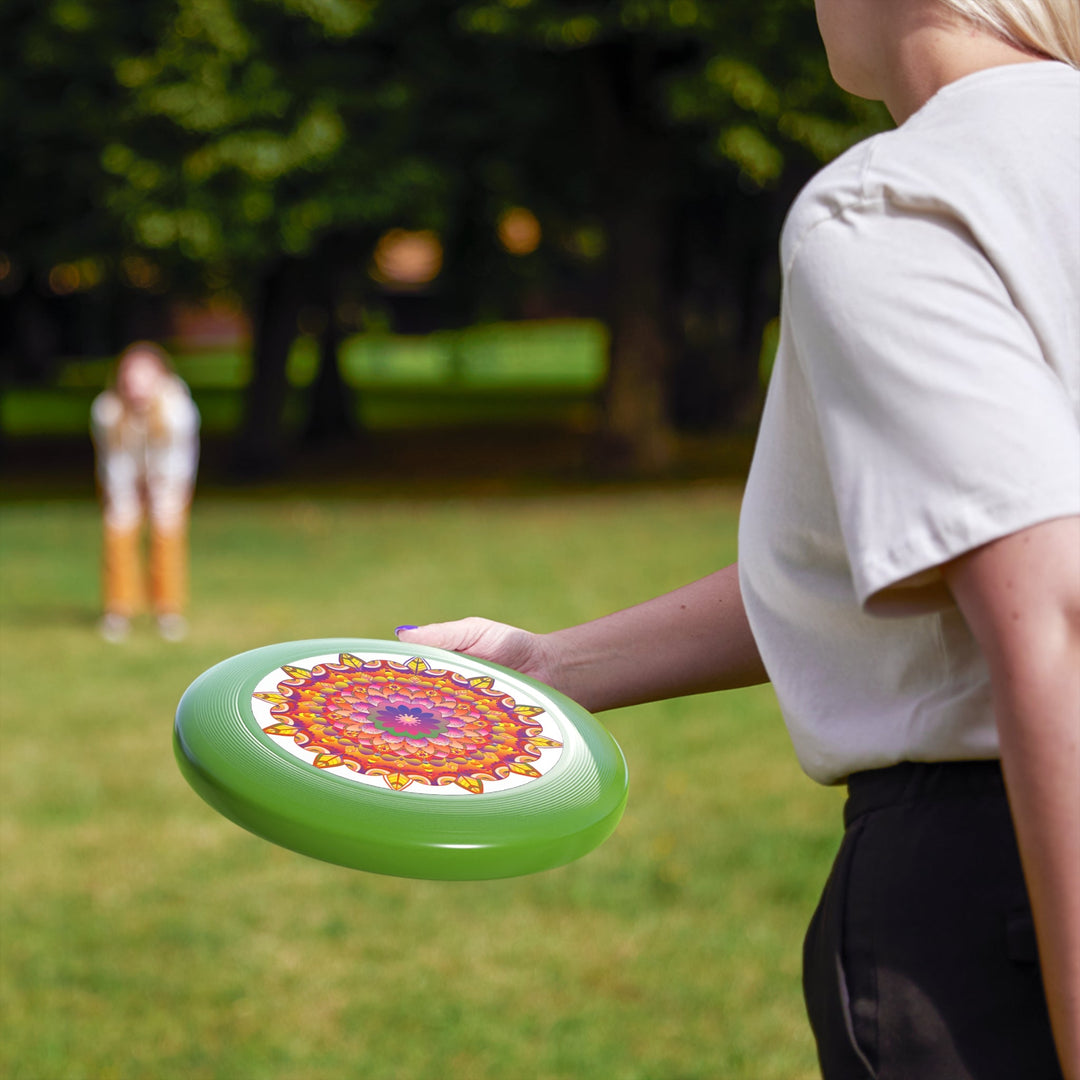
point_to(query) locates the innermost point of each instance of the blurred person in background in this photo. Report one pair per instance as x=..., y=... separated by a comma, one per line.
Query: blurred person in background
x=146, y=438
x=909, y=549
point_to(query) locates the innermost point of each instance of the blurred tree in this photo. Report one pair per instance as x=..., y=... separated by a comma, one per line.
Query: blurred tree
x=294, y=134
x=269, y=131
x=692, y=125
x=261, y=147
x=59, y=106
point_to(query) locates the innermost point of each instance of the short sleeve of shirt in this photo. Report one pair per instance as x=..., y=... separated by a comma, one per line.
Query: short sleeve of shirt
x=105, y=413
x=943, y=425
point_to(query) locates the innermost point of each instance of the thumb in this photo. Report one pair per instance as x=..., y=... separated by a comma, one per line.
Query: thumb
x=456, y=636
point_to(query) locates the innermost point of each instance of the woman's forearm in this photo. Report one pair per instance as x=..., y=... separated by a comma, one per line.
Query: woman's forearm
x=689, y=641
x=1021, y=598
x=1040, y=752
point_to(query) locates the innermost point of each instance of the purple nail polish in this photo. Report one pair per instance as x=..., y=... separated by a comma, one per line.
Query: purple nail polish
x=397, y=630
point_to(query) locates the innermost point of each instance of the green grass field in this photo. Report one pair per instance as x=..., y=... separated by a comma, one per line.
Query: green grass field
x=146, y=937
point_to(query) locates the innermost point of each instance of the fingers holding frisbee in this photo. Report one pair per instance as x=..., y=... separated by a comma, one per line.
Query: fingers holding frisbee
x=484, y=639
x=400, y=758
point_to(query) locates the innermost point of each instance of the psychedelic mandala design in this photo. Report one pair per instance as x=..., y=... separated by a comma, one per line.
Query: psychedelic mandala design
x=404, y=723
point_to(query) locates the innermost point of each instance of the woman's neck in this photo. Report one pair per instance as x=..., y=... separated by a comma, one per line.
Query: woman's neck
x=931, y=53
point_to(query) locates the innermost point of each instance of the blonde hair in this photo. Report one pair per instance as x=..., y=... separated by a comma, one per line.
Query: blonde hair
x=1048, y=27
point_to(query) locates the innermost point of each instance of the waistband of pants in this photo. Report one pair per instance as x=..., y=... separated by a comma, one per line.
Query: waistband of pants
x=911, y=782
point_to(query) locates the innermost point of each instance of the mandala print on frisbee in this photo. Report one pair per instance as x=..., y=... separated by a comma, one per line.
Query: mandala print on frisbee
x=405, y=723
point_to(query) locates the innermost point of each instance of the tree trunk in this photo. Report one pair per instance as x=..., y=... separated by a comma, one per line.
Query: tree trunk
x=727, y=286
x=260, y=449
x=331, y=411
x=635, y=191
x=35, y=337
x=637, y=426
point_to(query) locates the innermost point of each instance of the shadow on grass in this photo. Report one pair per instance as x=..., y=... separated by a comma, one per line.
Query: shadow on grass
x=426, y=463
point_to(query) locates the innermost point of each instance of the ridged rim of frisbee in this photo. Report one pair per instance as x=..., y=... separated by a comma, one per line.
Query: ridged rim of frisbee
x=241, y=772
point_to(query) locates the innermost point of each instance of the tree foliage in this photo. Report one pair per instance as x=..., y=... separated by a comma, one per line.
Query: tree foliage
x=264, y=145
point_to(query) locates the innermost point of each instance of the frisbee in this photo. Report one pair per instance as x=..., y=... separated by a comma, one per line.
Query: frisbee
x=400, y=759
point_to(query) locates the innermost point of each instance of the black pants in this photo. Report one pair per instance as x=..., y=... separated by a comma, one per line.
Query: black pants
x=920, y=961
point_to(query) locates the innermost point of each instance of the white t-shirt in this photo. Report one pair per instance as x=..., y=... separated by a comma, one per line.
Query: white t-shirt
x=925, y=400
x=146, y=462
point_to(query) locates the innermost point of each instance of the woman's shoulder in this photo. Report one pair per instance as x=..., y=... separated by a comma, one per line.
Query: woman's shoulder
x=106, y=411
x=177, y=408
x=997, y=142
x=176, y=389
x=831, y=192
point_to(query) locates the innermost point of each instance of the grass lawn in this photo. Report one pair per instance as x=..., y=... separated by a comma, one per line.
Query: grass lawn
x=144, y=936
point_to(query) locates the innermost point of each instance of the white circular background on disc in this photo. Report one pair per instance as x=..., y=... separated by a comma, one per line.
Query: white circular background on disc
x=399, y=723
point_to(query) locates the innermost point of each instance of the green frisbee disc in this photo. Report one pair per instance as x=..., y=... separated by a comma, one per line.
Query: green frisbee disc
x=399, y=759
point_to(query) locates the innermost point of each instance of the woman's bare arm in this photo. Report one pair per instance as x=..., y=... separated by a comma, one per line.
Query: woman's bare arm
x=689, y=641
x=1021, y=598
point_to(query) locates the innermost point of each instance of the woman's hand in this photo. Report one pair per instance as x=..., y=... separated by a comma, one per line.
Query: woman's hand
x=501, y=644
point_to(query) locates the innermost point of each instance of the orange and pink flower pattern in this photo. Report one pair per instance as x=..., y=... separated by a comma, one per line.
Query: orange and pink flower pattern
x=407, y=723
